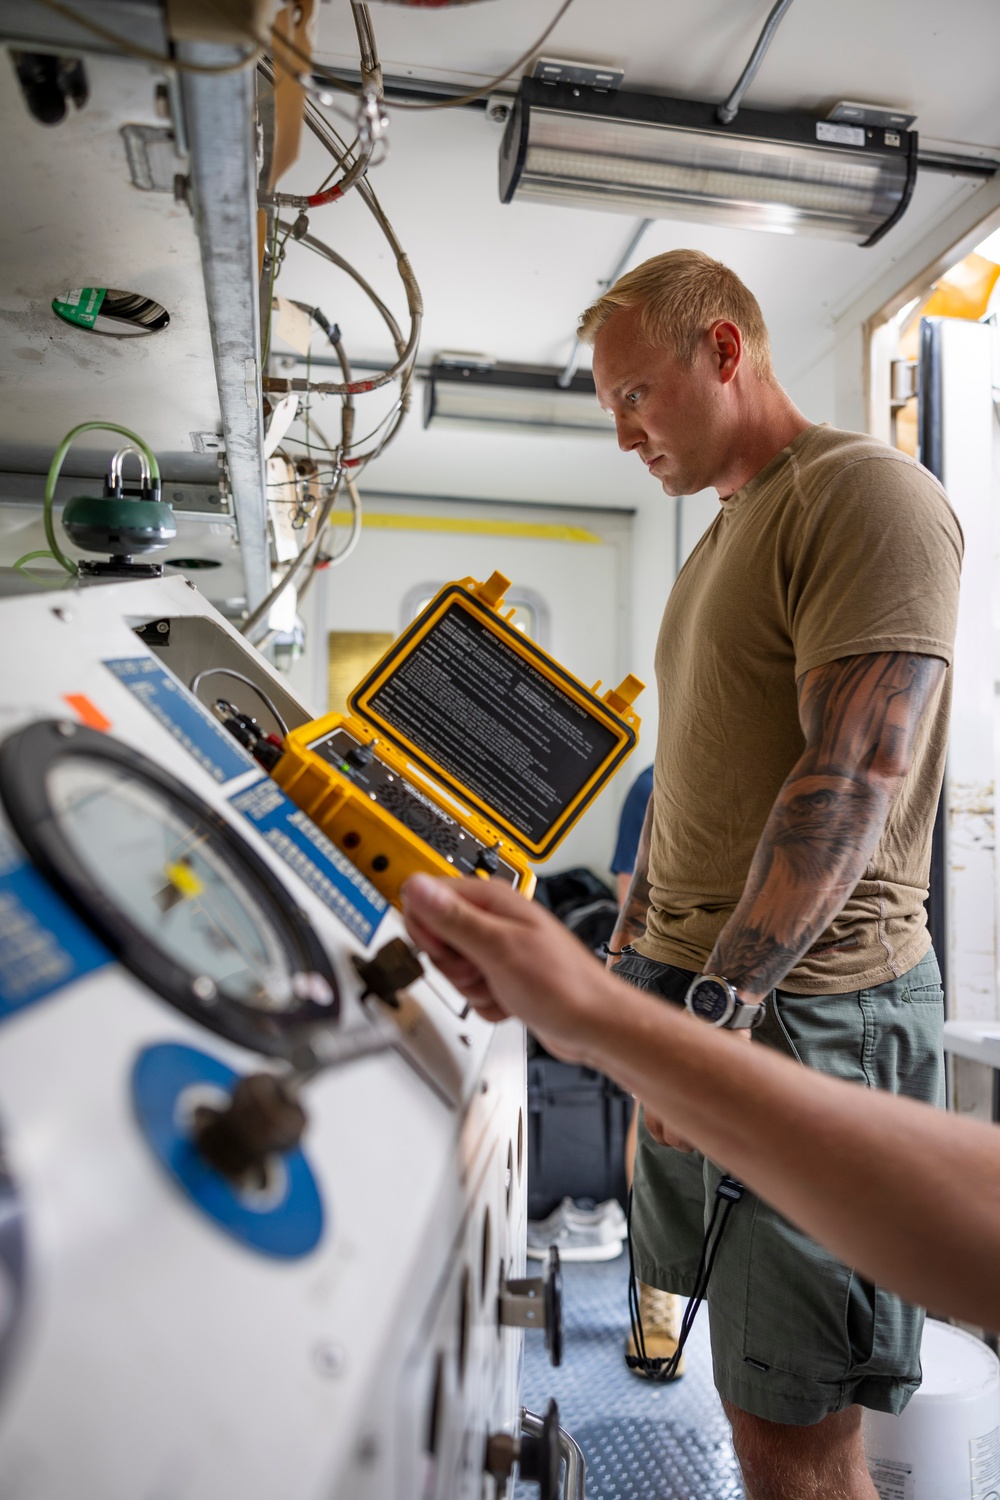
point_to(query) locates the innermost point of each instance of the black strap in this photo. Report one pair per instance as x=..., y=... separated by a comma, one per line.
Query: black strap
x=727, y=1194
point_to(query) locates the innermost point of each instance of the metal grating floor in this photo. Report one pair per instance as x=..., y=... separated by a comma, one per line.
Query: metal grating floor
x=641, y=1442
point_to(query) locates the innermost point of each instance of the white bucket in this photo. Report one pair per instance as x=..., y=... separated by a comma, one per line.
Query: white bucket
x=946, y=1444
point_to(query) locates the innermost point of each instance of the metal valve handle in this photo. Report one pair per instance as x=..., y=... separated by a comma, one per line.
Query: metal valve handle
x=540, y=1455
x=537, y=1303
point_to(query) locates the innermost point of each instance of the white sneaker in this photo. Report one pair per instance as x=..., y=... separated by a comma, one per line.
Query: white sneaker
x=577, y=1233
x=609, y=1212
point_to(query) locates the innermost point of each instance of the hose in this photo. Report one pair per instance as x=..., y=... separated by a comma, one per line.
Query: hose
x=726, y=113
x=310, y=551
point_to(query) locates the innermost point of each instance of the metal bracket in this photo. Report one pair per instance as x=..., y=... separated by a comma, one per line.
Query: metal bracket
x=536, y=1303
x=153, y=158
x=904, y=382
x=582, y=75
x=522, y=1303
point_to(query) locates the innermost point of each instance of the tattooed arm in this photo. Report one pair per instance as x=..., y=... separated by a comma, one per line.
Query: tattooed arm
x=860, y=717
x=631, y=922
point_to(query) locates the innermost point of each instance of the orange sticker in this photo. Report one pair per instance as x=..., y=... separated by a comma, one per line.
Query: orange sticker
x=86, y=711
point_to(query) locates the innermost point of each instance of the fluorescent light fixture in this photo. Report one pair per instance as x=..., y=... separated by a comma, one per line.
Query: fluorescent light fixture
x=526, y=397
x=642, y=155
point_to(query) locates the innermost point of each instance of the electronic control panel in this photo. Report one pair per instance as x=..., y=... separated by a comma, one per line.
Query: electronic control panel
x=226, y=1082
x=411, y=807
x=468, y=749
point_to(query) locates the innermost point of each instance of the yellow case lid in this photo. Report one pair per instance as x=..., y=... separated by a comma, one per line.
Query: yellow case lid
x=488, y=714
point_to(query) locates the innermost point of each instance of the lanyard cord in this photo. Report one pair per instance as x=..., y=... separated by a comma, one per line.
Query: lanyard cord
x=727, y=1195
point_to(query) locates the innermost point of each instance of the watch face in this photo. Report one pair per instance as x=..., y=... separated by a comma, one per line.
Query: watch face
x=710, y=1000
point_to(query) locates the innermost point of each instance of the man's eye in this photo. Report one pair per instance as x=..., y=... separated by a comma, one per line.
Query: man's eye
x=632, y=397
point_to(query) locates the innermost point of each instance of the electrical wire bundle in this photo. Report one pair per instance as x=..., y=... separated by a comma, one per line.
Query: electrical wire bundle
x=352, y=162
x=346, y=461
x=275, y=52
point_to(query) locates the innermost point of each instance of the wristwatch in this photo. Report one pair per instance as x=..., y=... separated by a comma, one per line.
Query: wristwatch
x=715, y=1000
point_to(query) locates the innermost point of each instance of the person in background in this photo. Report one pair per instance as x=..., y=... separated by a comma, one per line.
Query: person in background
x=803, y=678
x=629, y=831
x=581, y=1229
x=660, y=1312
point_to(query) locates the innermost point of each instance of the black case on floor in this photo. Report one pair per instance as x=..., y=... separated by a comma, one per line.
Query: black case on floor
x=577, y=1123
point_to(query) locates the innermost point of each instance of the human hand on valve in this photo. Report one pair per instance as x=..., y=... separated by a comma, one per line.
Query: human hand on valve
x=510, y=957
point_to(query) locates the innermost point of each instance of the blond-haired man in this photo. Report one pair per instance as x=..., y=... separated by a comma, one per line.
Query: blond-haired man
x=804, y=693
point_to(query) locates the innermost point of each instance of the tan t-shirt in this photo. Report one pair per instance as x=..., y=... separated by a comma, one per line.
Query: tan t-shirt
x=838, y=547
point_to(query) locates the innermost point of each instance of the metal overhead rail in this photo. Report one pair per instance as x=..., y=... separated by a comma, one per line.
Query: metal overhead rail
x=219, y=116
x=566, y=377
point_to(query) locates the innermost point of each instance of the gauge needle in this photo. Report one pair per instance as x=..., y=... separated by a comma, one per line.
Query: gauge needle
x=182, y=885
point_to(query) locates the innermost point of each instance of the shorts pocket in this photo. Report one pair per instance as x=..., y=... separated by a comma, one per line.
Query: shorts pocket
x=800, y=1314
x=904, y=1037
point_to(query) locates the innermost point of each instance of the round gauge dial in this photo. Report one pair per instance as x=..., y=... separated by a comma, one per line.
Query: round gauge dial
x=174, y=889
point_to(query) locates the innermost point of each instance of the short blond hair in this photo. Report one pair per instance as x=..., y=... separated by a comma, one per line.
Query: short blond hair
x=681, y=294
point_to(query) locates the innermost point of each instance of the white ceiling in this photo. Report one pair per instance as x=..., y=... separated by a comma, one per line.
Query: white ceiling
x=935, y=59
x=511, y=280
x=72, y=218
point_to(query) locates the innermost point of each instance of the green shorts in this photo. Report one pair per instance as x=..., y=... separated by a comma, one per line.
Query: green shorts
x=795, y=1334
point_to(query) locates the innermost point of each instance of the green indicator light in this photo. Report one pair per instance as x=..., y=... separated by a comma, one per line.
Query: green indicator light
x=344, y=766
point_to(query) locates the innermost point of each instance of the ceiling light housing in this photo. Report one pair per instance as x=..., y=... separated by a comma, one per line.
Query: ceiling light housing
x=524, y=397
x=644, y=155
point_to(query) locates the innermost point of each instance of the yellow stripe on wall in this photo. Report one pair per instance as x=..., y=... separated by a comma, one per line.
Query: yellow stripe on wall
x=386, y=521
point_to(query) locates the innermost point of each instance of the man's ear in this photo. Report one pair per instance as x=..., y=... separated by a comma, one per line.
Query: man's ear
x=726, y=343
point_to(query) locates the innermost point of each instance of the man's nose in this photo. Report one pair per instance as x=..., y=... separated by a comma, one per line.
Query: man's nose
x=628, y=431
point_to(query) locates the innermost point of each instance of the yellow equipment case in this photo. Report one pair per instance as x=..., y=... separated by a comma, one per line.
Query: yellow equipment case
x=467, y=751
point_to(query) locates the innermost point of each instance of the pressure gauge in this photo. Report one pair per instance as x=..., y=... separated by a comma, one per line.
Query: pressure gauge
x=177, y=893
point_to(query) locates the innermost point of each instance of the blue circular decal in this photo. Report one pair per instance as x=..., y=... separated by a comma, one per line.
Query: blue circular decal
x=285, y=1219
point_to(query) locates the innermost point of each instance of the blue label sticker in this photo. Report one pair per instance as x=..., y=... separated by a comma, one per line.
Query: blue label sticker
x=309, y=852
x=180, y=713
x=44, y=945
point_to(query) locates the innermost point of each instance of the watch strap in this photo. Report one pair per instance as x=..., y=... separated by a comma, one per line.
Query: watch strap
x=746, y=1017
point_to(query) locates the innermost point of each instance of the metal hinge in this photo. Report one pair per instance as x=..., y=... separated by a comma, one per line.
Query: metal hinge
x=904, y=382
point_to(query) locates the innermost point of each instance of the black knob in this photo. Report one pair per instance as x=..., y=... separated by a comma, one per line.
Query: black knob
x=540, y=1457
x=261, y=1119
x=392, y=969
x=554, y=1308
x=489, y=861
x=360, y=756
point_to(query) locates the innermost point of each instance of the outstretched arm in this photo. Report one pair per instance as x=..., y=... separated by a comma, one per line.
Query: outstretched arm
x=860, y=717
x=908, y=1194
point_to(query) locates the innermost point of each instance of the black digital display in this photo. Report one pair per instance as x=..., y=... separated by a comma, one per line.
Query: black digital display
x=496, y=724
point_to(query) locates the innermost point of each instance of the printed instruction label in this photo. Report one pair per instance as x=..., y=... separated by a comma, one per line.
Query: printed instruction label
x=494, y=722
x=892, y=1481
x=180, y=713
x=44, y=945
x=81, y=305
x=840, y=135
x=984, y=1466
x=307, y=850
